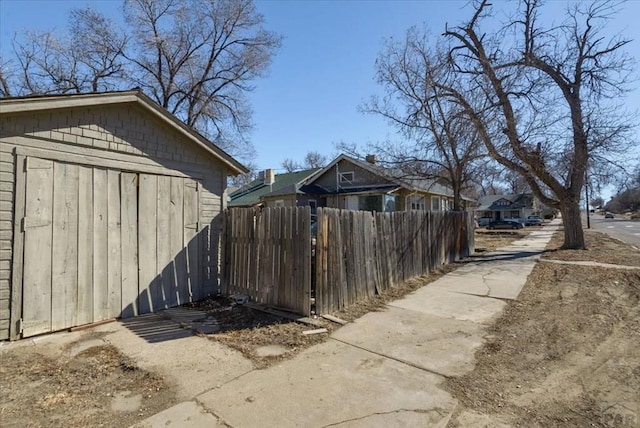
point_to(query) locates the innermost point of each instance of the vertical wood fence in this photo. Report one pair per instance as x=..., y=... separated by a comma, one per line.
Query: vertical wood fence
x=360, y=254
x=267, y=256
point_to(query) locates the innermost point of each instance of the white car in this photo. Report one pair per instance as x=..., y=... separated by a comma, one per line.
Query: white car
x=533, y=220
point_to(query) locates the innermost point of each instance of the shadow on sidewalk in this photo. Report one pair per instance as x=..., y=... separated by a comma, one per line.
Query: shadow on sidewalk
x=154, y=328
x=505, y=256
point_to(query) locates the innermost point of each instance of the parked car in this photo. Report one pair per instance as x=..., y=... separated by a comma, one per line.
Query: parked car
x=533, y=220
x=608, y=215
x=484, y=221
x=516, y=219
x=505, y=224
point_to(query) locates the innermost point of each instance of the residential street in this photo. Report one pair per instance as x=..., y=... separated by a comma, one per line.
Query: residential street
x=619, y=228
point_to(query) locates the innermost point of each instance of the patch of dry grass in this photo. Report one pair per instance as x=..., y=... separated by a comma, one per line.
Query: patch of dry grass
x=601, y=248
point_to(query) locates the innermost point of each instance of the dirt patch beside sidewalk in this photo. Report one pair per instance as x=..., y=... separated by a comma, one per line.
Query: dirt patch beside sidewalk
x=600, y=248
x=488, y=240
x=86, y=383
x=567, y=352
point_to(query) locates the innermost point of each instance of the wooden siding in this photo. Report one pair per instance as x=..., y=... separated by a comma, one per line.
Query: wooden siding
x=362, y=177
x=122, y=137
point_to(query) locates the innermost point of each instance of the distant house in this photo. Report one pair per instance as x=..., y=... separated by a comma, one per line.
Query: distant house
x=496, y=207
x=274, y=190
x=349, y=183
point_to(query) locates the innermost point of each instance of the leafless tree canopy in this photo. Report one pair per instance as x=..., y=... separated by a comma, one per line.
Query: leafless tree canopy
x=542, y=99
x=311, y=160
x=197, y=58
x=442, y=142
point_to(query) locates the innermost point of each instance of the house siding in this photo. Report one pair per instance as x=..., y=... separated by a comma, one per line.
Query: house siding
x=122, y=136
x=362, y=177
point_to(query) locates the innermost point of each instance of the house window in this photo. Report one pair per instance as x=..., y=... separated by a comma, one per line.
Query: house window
x=435, y=203
x=279, y=203
x=314, y=205
x=417, y=203
x=389, y=203
x=346, y=177
x=369, y=203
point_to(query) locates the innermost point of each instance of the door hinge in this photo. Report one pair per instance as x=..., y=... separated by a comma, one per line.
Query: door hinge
x=20, y=326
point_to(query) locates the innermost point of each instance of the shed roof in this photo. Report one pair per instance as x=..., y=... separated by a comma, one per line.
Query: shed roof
x=55, y=102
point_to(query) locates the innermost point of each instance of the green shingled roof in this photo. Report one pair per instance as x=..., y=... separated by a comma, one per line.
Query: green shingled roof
x=251, y=193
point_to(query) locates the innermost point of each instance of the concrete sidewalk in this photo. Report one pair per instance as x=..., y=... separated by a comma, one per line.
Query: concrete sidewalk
x=382, y=370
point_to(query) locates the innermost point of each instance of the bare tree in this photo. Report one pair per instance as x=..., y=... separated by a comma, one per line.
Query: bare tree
x=553, y=92
x=88, y=59
x=311, y=160
x=289, y=165
x=441, y=142
x=198, y=59
x=314, y=159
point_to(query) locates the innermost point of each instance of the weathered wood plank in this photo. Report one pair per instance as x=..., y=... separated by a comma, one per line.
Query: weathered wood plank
x=178, y=270
x=100, y=245
x=36, y=294
x=84, y=307
x=18, y=248
x=147, y=241
x=191, y=228
x=129, y=239
x=114, y=263
x=64, y=266
x=163, y=243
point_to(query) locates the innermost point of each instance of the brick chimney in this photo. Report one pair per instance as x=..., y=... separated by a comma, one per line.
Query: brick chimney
x=269, y=176
x=372, y=159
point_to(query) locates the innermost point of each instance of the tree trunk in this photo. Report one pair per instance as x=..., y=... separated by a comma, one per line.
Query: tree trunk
x=572, y=222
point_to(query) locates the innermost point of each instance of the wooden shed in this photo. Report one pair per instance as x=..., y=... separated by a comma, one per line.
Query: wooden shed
x=110, y=207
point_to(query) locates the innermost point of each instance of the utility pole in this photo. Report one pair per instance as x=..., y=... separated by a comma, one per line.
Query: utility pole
x=586, y=194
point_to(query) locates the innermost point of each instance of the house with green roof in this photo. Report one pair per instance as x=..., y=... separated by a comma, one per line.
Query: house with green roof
x=353, y=184
x=275, y=190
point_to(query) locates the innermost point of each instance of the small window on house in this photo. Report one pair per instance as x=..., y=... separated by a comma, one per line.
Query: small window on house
x=279, y=203
x=314, y=205
x=417, y=203
x=346, y=177
x=435, y=203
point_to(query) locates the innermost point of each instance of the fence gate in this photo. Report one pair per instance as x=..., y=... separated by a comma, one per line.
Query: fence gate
x=267, y=256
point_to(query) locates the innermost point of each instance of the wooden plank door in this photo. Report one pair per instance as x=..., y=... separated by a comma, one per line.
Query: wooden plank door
x=168, y=242
x=37, y=226
x=102, y=243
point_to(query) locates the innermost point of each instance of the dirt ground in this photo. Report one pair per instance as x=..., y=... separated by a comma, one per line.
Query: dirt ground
x=82, y=384
x=487, y=240
x=567, y=352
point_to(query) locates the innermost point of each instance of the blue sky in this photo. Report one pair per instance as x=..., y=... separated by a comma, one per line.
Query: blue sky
x=324, y=69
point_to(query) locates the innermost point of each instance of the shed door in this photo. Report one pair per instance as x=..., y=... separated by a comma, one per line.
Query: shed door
x=102, y=243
